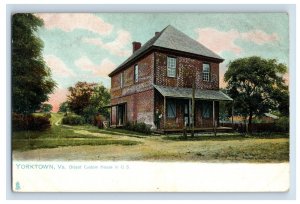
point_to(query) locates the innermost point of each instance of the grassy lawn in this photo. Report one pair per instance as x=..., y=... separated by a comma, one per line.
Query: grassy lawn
x=60, y=135
x=87, y=142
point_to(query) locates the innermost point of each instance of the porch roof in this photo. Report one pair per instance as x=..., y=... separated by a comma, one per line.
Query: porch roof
x=202, y=94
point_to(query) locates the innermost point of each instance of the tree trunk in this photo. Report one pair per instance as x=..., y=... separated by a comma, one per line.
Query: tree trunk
x=250, y=123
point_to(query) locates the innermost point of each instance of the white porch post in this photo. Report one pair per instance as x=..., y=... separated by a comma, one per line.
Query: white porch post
x=214, y=122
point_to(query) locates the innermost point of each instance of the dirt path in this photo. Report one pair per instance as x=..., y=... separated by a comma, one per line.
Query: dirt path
x=155, y=148
x=160, y=148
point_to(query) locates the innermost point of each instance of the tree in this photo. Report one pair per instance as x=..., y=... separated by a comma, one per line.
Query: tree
x=256, y=85
x=31, y=78
x=79, y=97
x=88, y=100
x=99, y=98
x=64, y=107
x=46, y=108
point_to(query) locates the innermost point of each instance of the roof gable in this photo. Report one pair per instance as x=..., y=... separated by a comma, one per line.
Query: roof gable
x=173, y=39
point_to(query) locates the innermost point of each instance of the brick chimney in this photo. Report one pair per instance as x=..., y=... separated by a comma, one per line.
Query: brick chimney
x=157, y=33
x=136, y=46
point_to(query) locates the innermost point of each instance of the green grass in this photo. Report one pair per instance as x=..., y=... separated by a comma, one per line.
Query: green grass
x=129, y=145
x=259, y=152
x=54, y=143
x=226, y=137
x=61, y=135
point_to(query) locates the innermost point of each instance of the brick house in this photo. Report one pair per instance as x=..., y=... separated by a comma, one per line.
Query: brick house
x=156, y=82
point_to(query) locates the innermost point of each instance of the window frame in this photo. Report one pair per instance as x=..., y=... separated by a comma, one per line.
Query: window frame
x=122, y=79
x=206, y=75
x=171, y=103
x=207, y=105
x=173, y=68
x=136, y=73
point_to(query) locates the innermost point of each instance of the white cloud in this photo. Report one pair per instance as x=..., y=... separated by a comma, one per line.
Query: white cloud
x=102, y=69
x=58, y=67
x=71, y=21
x=116, y=47
x=220, y=41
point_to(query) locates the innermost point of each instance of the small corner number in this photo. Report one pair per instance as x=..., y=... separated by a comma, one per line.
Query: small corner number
x=17, y=186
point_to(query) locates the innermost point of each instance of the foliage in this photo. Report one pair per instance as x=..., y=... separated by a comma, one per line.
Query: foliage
x=64, y=107
x=256, y=85
x=31, y=78
x=138, y=127
x=30, y=122
x=46, y=108
x=282, y=124
x=73, y=120
x=88, y=100
x=80, y=95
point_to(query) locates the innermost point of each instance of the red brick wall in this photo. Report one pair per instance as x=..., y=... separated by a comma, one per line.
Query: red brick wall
x=188, y=70
x=139, y=106
x=130, y=87
x=139, y=96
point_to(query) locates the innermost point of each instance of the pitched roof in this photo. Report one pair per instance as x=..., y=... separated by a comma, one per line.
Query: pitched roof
x=203, y=94
x=173, y=39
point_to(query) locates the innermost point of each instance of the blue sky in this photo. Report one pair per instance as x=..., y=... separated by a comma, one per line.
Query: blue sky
x=86, y=46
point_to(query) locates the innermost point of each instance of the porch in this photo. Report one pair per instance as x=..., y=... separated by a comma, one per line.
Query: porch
x=182, y=109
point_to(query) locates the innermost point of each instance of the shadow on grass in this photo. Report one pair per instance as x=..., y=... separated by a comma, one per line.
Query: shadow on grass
x=222, y=137
x=54, y=143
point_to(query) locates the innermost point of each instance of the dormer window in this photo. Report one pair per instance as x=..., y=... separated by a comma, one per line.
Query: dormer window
x=171, y=67
x=206, y=72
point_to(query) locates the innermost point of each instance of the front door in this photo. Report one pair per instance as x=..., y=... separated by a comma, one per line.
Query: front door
x=121, y=114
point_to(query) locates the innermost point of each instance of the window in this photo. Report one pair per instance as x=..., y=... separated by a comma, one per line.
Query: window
x=171, y=67
x=171, y=109
x=206, y=109
x=136, y=73
x=206, y=72
x=122, y=80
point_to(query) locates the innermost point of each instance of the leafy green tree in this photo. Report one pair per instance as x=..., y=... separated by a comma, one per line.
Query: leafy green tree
x=79, y=97
x=64, y=108
x=31, y=78
x=99, y=98
x=256, y=85
x=46, y=108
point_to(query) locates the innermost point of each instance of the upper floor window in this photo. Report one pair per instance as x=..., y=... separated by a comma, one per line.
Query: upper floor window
x=206, y=72
x=122, y=80
x=171, y=67
x=136, y=73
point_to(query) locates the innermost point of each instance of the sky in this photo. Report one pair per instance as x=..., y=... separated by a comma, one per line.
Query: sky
x=88, y=46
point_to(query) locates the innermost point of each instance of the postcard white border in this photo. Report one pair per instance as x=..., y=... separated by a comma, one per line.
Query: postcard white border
x=154, y=8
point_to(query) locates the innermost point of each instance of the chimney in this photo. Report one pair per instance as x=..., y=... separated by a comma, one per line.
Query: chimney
x=157, y=33
x=136, y=46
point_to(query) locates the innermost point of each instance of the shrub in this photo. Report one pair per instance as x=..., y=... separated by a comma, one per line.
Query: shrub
x=73, y=120
x=138, y=127
x=30, y=122
x=282, y=124
x=47, y=115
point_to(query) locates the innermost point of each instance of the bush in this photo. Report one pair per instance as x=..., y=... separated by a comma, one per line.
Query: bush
x=30, y=122
x=47, y=115
x=73, y=120
x=138, y=127
x=282, y=124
